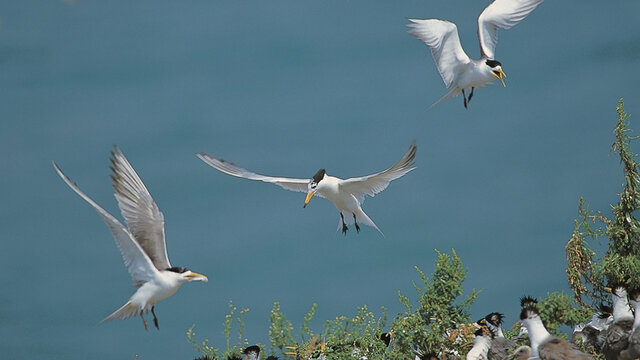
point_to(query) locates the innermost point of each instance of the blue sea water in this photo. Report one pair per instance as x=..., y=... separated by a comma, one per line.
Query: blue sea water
x=284, y=88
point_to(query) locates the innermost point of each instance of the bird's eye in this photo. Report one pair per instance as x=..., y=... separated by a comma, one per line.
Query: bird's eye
x=313, y=185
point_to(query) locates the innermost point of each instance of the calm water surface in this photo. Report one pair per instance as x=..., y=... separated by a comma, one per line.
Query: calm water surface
x=285, y=88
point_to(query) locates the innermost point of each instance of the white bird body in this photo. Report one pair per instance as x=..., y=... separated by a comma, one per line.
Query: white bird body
x=459, y=72
x=634, y=339
x=142, y=243
x=538, y=334
x=347, y=195
x=617, y=334
x=480, y=349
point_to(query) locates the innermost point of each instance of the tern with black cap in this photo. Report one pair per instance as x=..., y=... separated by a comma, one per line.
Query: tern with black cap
x=459, y=72
x=142, y=243
x=347, y=195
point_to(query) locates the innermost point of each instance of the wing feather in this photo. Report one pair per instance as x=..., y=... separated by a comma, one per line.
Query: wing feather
x=442, y=37
x=375, y=183
x=503, y=14
x=140, y=212
x=137, y=262
x=229, y=168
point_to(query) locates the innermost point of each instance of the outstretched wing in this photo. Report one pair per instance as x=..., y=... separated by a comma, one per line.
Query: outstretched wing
x=503, y=14
x=373, y=184
x=140, y=212
x=300, y=185
x=442, y=37
x=137, y=262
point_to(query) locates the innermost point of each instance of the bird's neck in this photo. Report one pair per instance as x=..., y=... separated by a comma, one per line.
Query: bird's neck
x=621, y=308
x=538, y=334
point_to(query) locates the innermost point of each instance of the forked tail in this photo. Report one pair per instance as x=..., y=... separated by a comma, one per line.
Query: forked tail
x=451, y=94
x=361, y=218
x=126, y=311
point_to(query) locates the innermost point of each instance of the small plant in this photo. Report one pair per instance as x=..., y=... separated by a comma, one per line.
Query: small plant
x=438, y=327
x=212, y=353
x=559, y=309
x=587, y=273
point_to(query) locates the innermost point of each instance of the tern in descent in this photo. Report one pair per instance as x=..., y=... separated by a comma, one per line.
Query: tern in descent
x=142, y=244
x=459, y=72
x=346, y=194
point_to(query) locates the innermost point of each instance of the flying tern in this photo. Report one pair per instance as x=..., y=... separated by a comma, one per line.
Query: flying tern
x=458, y=71
x=346, y=194
x=142, y=243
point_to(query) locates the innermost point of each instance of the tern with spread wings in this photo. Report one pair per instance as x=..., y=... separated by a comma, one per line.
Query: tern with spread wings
x=346, y=194
x=142, y=244
x=459, y=72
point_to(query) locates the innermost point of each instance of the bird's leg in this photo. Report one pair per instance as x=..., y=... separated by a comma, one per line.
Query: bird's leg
x=144, y=322
x=344, y=226
x=464, y=96
x=356, y=223
x=155, y=319
x=470, y=95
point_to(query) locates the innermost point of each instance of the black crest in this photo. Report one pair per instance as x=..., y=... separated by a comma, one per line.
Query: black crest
x=528, y=301
x=494, y=318
x=178, y=269
x=252, y=349
x=318, y=176
x=493, y=63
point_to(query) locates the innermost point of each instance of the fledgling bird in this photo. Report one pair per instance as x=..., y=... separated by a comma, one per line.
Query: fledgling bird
x=616, y=337
x=142, y=243
x=522, y=353
x=347, y=195
x=592, y=333
x=481, y=344
x=252, y=352
x=544, y=345
x=500, y=345
x=459, y=72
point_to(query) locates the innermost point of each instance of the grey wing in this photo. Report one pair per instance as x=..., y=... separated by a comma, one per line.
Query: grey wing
x=503, y=14
x=229, y=168
x=142, y=215
x=442, y=38
x=373, y=184
x=558, y=349
x=137, y=262
x=500, y=347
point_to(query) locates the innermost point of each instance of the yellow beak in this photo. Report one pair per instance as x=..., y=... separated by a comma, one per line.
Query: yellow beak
x=308, y=198
x=500, y=75
x=194, y=276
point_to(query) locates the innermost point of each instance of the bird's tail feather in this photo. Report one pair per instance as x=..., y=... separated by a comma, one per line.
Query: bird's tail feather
x=126, y=311
x=361, y=218
x=451, y=94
